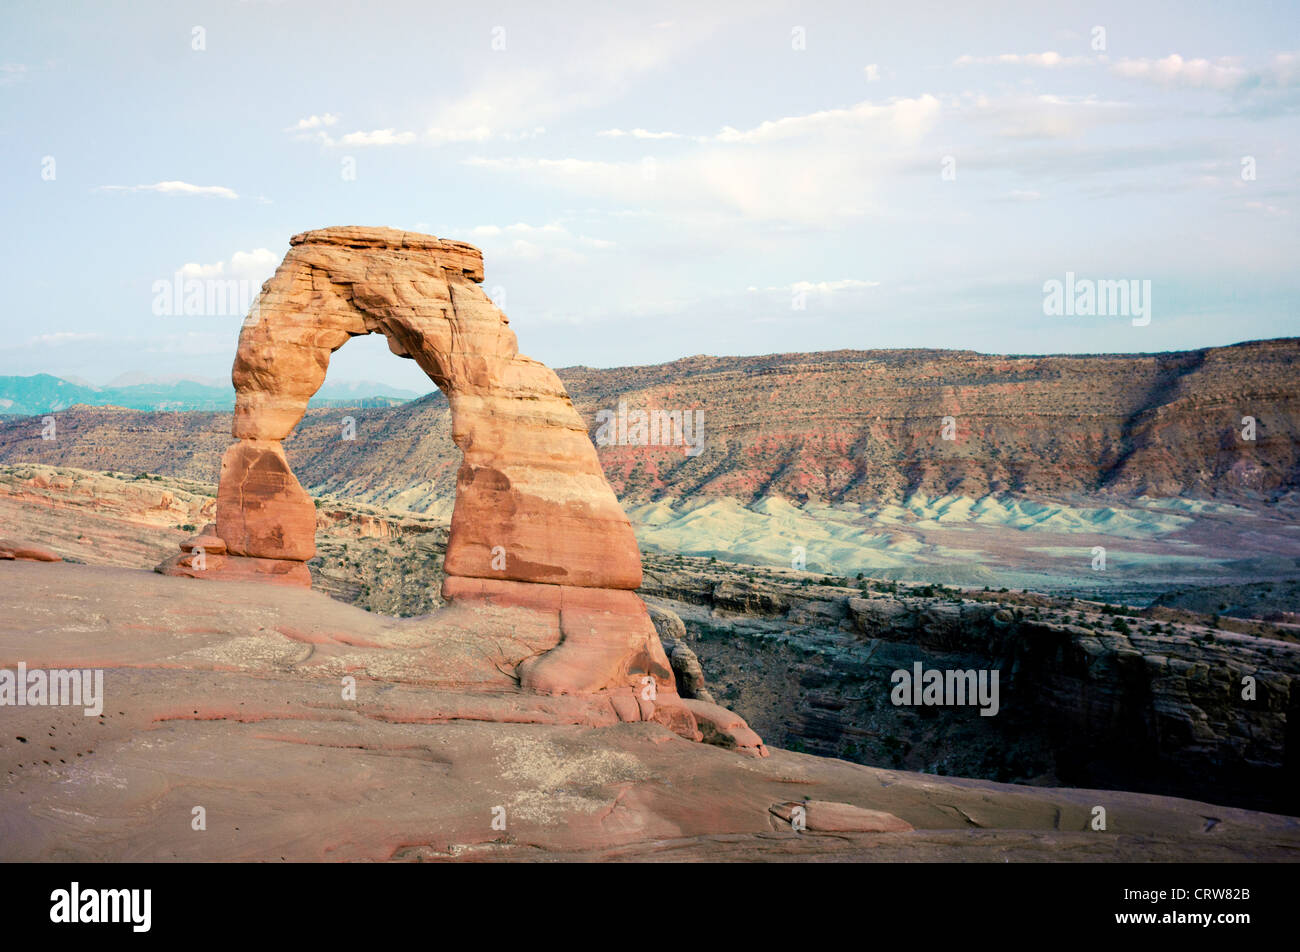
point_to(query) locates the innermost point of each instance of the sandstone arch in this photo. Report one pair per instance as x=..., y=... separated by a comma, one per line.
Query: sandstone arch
x=530, y=486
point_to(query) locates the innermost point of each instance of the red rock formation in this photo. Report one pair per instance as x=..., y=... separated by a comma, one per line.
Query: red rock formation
x=535, y=524
x=261, y=510
x=12, y=549
x=532, y=504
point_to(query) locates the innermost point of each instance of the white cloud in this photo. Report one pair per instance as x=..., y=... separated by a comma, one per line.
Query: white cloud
x=1044, y=116
x=1049, y=60
x=808, y=168
x=1224, y=74
x=1173, y=70
x=826, y=287
x=377, y=137
x=640, y=134
x=524, y=134
x=435, y=135
x=603, y=57
x=313, y=122
x=11, y=73
x=524, y=241
x=904, y=117
x=1266, y=208
x=174, y=188
x=873, y=72
x=822, y=287
x=473, y=134
x=256, y=265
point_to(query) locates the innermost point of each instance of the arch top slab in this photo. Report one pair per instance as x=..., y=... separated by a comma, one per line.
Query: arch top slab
x=453, y=255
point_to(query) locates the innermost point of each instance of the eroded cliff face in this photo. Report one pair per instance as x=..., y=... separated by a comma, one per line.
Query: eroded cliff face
x=865, y=426
x=851, y=426
x=1157, y=699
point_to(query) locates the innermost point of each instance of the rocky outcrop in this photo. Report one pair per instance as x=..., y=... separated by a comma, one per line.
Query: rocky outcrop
x=686, y=665
x=535, y=525
x=11, y=549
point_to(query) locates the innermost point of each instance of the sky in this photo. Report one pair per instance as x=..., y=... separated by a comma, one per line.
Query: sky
x=658, y=180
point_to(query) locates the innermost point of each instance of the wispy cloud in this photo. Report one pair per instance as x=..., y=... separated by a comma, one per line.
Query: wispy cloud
x=174, y=188
x=1048, y=60
x=11, y=73
x=523, y=241
x=904, y=117
x=819, y=166
x=639, y=134
x=313, y=129
x=378, y=137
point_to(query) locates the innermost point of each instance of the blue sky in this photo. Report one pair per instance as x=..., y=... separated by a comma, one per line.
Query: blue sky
x=660, y=181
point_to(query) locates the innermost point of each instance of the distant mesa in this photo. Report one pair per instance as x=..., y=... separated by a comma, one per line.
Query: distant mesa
x=40, y=394
x=535, y=524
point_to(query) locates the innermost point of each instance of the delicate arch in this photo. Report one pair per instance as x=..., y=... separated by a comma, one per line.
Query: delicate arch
x=532, y=503
x=535, y=526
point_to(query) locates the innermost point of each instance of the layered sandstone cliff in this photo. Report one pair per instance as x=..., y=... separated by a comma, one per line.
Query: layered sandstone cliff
x=842, y=426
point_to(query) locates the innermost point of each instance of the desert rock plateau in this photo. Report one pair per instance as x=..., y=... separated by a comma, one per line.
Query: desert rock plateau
x=482, y=632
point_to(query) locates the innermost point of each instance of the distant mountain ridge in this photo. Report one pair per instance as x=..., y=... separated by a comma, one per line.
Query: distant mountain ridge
x=834, y=427
x=42, y=394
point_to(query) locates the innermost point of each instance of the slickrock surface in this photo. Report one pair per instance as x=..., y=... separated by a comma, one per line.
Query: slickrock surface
x=231, y=697
x=822, y=816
